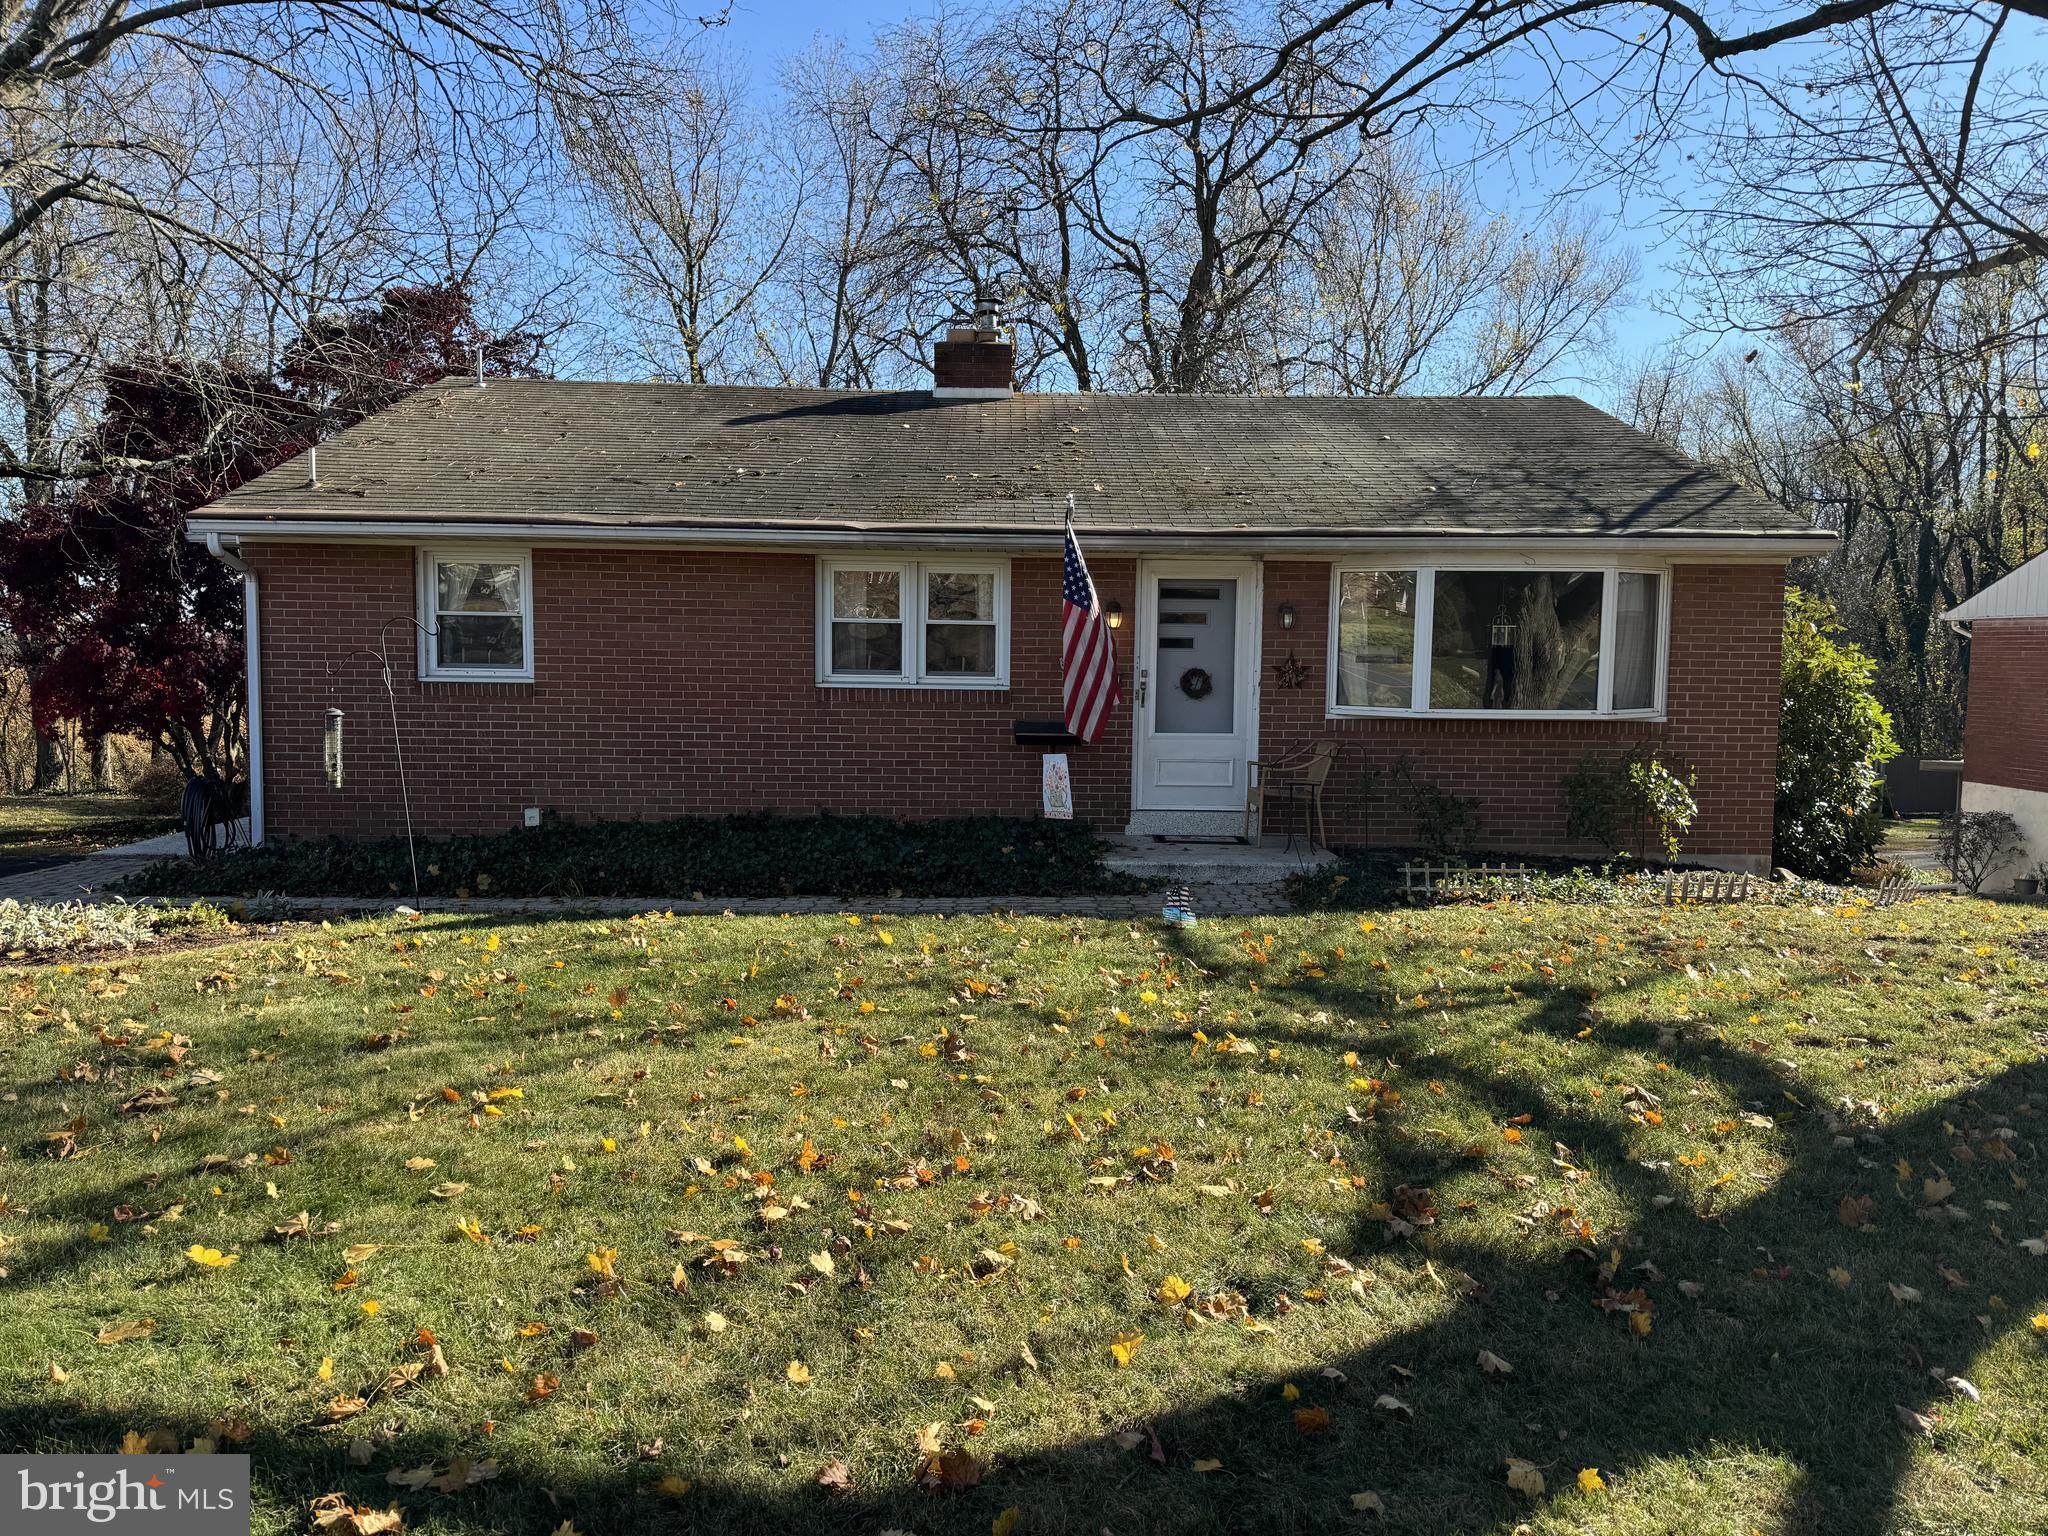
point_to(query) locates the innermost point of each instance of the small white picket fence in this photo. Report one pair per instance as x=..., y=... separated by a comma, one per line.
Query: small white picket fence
x=1456, y=882
x=1707, y=885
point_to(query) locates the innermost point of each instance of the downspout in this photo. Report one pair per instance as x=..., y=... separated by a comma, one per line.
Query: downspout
x=217, y=544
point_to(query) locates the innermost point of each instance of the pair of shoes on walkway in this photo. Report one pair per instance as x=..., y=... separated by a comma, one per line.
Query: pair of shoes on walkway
x=1179, y=911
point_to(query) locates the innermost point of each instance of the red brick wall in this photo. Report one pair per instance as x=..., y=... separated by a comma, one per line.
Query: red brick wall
x=1721, y=693
x=673, y=683
x=666, y=683
x=2005, y=734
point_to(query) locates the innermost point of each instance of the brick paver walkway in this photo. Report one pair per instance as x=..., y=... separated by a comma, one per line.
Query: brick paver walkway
x=92, y=879
x=86, y=879
x=1210, y=900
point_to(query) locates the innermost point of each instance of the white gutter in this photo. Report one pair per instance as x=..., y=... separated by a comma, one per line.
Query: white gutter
x=252, y=672
x=1304, y=543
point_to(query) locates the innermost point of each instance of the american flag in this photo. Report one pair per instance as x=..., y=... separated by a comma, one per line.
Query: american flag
x=1087, y=654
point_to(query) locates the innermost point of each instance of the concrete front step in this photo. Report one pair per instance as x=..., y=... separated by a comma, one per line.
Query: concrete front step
x=1217, y=863
x=1145, y=824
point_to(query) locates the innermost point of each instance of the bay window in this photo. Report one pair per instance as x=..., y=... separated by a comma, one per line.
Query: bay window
x=941, y=623
x=1584, y=639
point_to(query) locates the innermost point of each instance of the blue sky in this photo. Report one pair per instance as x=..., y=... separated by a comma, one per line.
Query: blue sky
x=765, y=31
x=1530, y=187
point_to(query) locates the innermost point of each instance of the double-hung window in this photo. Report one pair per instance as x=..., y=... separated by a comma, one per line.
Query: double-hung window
x=476, y=615
x=939, y=623
x=1584, y=639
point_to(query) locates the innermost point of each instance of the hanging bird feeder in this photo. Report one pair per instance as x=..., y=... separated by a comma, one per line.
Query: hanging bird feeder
x=330, y=748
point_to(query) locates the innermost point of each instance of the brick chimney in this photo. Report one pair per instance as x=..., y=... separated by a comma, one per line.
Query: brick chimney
x=975, y=361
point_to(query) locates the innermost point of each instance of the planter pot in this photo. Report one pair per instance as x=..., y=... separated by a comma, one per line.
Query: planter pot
x=2026, y=885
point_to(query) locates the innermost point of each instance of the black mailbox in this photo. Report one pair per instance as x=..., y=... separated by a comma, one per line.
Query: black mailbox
x=1044, y=733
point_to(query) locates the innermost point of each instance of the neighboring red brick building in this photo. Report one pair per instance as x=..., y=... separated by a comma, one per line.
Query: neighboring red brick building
x=653, y=600
x=2005, y=732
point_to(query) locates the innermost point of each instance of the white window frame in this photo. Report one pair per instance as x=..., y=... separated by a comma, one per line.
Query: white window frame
x=430, y=559
x=1426, y=571
x=911, y=571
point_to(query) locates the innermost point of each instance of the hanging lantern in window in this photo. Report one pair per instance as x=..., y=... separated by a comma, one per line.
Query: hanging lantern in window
x=330, y=748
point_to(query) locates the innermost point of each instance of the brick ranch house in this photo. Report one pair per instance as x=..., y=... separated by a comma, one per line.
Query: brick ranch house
x=654, y=600
x=2005, y=727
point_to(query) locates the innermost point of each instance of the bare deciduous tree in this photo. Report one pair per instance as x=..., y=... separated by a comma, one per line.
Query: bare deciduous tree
x=238, y=167
x=690, y=213
x=833, y=320
x=1240, y=251
x=1857, y=153
x=1411, y=287
x=1928, y=454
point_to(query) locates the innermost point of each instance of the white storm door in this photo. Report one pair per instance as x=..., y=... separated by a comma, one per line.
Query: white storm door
x=1197, y=678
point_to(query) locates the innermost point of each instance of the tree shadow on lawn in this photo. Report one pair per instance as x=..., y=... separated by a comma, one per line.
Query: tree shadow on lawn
x=1771, y=1359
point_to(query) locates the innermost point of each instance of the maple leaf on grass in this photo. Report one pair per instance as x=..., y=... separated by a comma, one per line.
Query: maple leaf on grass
x=333, y=1513
x=835, y=1476
x=1524, y=1477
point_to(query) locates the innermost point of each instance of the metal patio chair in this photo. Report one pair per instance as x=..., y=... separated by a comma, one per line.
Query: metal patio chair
x=1297, y=778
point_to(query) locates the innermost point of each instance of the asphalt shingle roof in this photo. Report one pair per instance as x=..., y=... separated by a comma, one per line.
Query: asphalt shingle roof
x=562, y=453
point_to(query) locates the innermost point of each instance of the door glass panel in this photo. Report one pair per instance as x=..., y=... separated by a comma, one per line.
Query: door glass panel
x=1194, y=669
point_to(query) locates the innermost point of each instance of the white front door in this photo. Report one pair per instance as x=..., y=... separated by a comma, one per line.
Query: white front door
x=1197, y=666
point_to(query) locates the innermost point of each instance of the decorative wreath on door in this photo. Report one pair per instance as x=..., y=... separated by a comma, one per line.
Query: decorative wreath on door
x=1196, y=683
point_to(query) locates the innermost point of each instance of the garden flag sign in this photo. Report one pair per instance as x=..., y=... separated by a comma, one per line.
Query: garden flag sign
x=1087, y=652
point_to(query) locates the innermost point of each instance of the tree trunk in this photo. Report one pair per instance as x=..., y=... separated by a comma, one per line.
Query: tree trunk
x=49, y=763
x=102, y=762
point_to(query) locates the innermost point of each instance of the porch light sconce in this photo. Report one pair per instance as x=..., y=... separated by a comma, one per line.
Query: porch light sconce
x=1113, y=611
x=1287, y=615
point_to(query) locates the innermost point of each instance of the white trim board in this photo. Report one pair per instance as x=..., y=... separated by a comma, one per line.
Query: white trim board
x=1306, y=544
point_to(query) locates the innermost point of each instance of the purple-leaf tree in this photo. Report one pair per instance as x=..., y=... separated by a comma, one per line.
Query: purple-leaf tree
x=121, y=623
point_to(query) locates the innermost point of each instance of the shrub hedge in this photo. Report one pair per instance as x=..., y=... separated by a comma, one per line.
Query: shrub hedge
x=758, y=855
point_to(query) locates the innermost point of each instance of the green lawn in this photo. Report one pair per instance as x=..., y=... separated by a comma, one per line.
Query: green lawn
x=704, y=1215
x=54, y=826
